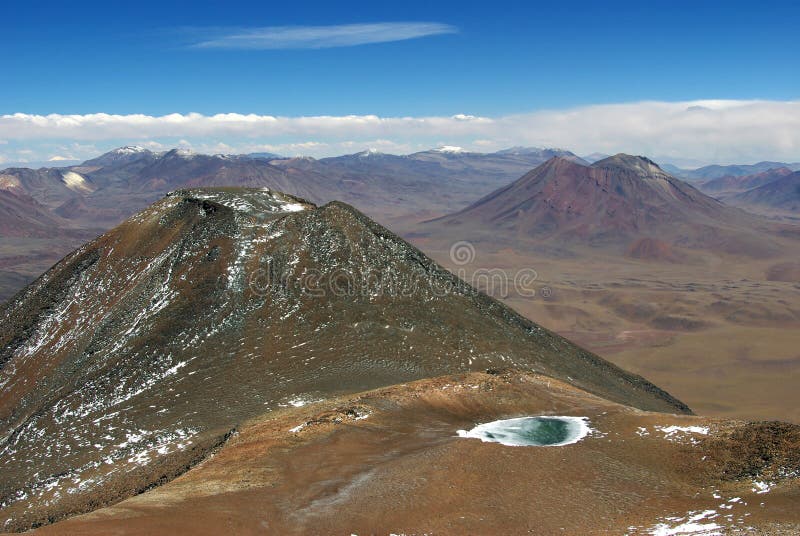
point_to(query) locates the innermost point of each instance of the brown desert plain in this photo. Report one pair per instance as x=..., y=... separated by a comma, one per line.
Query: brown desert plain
x=717, y=333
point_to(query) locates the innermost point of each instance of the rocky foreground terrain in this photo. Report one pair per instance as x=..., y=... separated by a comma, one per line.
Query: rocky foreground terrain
x=389, y=461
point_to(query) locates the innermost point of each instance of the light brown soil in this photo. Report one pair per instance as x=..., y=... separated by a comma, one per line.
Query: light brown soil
x=713, y=330
x=403, y=470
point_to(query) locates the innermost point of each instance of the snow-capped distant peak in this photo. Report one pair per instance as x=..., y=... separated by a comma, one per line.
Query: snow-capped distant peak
x=184, y=152
x=450, y=149
x=129, y=149
x=369, y=152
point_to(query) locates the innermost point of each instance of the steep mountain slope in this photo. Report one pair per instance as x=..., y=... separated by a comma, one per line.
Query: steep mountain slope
x=611, y=203
x=22, y=216
x=781, y=195
x=143, y=349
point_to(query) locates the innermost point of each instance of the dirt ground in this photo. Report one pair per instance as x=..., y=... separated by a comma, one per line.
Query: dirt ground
x=389, y=461
x=713, y=331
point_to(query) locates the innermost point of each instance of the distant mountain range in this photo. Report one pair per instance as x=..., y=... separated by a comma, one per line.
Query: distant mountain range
x=614, y=203
x=729, y=184
x=781, y=194
x=61, y=206
x=102, y=191
x=771, y=193
x=715, y=171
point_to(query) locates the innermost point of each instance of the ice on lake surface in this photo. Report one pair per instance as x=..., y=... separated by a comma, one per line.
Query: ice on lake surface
x=542, y=431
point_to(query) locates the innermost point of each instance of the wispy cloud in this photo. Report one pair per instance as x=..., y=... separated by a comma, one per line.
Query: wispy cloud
x=299, y=37
x=705, y=131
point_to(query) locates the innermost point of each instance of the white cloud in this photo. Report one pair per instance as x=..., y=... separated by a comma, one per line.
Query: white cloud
x=311, y=148
x=704, y=131
x=484, y=143
x=344, y=35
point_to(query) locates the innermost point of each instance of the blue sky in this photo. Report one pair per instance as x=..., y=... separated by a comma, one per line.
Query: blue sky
x=484, y=59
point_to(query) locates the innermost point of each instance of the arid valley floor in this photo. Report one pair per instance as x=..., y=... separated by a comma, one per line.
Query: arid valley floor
x=717, y=332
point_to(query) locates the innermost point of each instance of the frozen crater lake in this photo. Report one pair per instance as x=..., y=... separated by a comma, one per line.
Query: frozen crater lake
x=543, y=431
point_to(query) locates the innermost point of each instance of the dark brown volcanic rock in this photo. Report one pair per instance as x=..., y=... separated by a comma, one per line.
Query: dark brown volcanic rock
x=141, y=350
x=611, y=203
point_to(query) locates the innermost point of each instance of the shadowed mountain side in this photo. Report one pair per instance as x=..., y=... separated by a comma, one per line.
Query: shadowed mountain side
x=779, y=195
x=732, y=184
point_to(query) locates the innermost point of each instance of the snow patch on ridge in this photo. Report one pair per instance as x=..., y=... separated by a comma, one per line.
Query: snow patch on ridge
x=682, y=433
x=450, y=149
x=9, y=182
x=75, y=182
x=129, y=149
x=697, y=523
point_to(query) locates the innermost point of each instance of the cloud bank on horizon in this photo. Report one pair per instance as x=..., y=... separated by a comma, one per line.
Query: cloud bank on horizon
x=312, y=37
x=702, y=131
